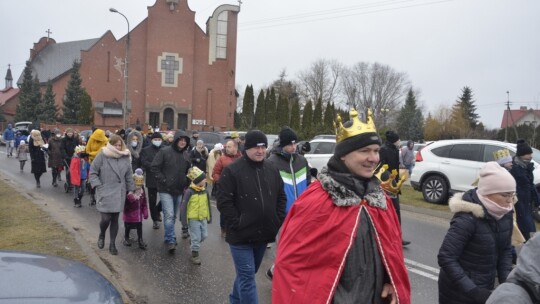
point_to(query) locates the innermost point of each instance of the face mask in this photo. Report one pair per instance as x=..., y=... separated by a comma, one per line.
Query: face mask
x=134, y=144
x=58, y=135
x=156, y=143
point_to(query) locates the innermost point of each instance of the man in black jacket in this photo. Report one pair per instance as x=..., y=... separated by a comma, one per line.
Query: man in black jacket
x=251, y=197
x=147, y=157
x=389, y=155
x=170, y=167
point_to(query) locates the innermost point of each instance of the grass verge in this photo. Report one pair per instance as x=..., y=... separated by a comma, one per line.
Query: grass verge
x=25, y=227
x=411, y=197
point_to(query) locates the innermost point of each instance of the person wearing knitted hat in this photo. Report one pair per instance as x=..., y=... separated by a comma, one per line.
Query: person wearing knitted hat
x=389, y=155
x=477, y=248
x=503, y=158
x=22, y=154
x=195, y=211
x=251, y=197
x=527, y=197
x=135, y=210
x=293, y=168
x=147, y=156
x=341, y=241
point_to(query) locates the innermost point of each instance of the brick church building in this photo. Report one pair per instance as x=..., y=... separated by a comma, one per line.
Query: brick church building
x=179, y=76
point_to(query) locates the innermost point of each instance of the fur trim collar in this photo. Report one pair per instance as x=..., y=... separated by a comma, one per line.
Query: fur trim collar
x=341, y=196
x=457, y=204
x=110, y=151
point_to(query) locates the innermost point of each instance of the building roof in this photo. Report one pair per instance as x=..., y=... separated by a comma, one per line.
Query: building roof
x=6, y=94
x=57, y=58
x=514, y=116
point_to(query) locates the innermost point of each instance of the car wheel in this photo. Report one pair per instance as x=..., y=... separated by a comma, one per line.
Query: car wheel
x=435, y=190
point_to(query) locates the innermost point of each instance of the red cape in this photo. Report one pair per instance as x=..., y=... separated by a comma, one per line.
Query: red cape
x=313, y=245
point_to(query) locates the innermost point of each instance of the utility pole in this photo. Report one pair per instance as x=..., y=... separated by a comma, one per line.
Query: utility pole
x=507, y=116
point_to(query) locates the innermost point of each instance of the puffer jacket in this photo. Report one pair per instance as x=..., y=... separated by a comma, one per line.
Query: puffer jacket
x=56, y=158
x=251, y=197
x=389, y=155
x=170, y=166
x=523, y=283
x=147, y=157
x=527, y=196
x=476, y=250
x=94, y=144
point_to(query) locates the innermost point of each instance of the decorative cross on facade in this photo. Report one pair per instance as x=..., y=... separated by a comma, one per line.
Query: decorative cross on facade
x=48, y=31
x=170, y=65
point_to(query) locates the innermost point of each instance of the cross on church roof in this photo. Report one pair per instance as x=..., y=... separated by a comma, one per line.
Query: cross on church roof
x=48, y=31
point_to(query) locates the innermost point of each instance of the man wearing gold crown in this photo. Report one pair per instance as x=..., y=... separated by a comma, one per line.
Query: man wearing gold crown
x=341, y=240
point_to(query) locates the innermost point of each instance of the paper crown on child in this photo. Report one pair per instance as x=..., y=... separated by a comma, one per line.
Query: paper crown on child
x=387, y=179
x=196, y=175
x=138, y=177
x=502, y=156
x=80, y=148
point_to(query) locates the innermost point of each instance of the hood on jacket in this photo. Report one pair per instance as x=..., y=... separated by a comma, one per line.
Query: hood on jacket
x=463, y=202
x=527, y=270
x=134, y=151
x=180, y=134
x=98, y=135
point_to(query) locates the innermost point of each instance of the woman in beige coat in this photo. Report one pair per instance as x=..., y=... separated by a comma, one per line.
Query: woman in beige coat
x=111, y=176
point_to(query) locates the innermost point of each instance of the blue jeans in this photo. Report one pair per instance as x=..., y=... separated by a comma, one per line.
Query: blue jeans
x=198, y=232
x=169, y=206
x=247, y=259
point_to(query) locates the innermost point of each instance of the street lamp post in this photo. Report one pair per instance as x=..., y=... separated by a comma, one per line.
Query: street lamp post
x=124, y=105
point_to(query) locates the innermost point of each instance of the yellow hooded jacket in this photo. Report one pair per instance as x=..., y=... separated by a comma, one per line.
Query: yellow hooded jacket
x=96, y=141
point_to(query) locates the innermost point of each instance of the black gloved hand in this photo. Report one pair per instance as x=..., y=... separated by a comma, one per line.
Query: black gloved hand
x=479, y=295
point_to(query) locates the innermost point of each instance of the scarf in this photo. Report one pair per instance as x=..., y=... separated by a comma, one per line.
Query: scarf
x=110, y=151
x=196, y=188
x=493, y=208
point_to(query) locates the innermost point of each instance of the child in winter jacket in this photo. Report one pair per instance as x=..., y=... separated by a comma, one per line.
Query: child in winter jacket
x=195, y=211
x=22, y=153
x=79, y=169
x=135, y=209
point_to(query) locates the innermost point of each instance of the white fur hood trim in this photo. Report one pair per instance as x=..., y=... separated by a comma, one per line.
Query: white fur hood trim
x=457, y=204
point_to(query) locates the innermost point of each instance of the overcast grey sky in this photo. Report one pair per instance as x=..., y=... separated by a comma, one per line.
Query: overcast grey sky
x=492, y=46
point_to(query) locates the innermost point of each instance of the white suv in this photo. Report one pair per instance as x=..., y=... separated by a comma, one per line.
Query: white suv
x=448, y=166
x=321, y=151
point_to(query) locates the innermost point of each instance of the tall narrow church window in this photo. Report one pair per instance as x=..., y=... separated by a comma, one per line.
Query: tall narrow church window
x=154, y=119
x=169, y=65
x=221, y=43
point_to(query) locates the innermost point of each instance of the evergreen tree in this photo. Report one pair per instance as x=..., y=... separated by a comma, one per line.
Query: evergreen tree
x=294, y=122
x=464, y=114
x=317, y=121
x=237, y=120
x=28, y=97
x=283, y=112
x=271, y=124
x=410, y=119
x=72, y=101
x=86, y=114
x=307, y=121
x=260, y=115
x=247, y=109
x=328, y=119
x=47, y=109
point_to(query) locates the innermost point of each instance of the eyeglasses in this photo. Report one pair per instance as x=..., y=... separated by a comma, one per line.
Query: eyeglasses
x=507, y=194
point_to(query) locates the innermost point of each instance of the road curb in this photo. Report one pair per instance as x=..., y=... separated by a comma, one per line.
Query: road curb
x=94, y=260
x=435, y=213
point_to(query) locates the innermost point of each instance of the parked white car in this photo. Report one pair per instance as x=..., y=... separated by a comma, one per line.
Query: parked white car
x=448, y=166
x=321, y=151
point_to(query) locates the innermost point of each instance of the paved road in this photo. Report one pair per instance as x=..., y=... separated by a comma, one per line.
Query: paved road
x=155, y=276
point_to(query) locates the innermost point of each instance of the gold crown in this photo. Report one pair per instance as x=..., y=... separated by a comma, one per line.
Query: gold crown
x=356, y=128
x=194, y=172
x=501, y=154
x=138, y=179
x=389, y=185
x=80, y=148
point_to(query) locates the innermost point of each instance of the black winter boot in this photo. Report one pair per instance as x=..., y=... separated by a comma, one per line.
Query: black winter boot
x=112, y=249
x=77, y=203
x=142, y=244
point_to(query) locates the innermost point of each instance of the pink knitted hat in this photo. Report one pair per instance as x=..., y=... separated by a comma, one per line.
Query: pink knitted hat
x=495, y=179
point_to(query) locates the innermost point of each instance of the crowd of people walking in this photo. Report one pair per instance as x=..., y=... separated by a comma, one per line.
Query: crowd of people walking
x=338, y=234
